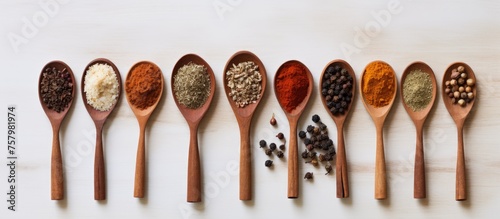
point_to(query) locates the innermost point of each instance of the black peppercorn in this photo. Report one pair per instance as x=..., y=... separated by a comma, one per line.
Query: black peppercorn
x=268, y=152
x=279, y=154
x=272, y=146
x=282, y=147
x=307, y=141
x=313, y=161
x=268, y=163
x=315, y=118
x=262, y=143
x=328, y=168
x=302, y=134
x=321, y=157
x=309, y=175
x=310, y=128
x=322, y=126
x=280, y=135
x=328, y=157
x=312, y=154
x=305, y=154
x=309, y=147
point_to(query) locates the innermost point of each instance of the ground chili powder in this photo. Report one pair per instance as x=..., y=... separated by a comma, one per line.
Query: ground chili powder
x=143, y=85
x=292, y=84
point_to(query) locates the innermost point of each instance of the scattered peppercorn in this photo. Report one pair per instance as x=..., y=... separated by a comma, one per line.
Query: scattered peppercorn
x=315, y=118
x=302, y=134
x=262, y=143
x=280, y=136
x=282, y=147
x=309, y=175
x=305, y=154
x=268, y=152
x=313, y=161
x=272, y=121
x=268, y=163
x=279, y=154
x=310, y=128
x=328, y=168
x=312, y=154
x=319, y=146
x=272, y=146
x=321, y=157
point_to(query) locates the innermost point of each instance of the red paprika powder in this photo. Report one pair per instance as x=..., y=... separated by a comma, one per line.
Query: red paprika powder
x=292, y=84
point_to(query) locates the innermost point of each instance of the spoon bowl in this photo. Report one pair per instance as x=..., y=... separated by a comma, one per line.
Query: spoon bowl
x=193, y=118
x=339, y=119
x=99, y=118
x=418, y=118
x=459, y=114
x=244, y=117
x=142, y=117
x=55, y=118
x=378, y=115
x=293, y=118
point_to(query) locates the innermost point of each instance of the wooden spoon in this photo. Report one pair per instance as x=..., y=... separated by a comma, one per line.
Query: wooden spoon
x=378, y=116
x=142, y=117
x=418, y=118
x=99, y=118
x=244, y=117
x=459, y=114
x=341, y=163
x=55, y=118
x=193, y=118
x=293, y=118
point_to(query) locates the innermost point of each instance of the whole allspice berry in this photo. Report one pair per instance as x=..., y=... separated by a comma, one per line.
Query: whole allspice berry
x=280, y=136
x=273, y=121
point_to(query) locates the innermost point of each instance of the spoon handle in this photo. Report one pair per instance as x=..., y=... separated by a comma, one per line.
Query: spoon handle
x=293, y=168
x=419, y=188
x=245, y=162
x=194, y=179
x=140, y=166
x=380, y=173
x=99, y=170
x=341, y=166
x=460, y=181
x=56, y=167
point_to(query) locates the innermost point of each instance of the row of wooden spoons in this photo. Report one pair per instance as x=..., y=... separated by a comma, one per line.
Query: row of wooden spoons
x=244, y=117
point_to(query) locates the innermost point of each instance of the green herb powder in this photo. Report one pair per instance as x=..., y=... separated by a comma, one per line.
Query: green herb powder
x=192, y=85
x=417, y=90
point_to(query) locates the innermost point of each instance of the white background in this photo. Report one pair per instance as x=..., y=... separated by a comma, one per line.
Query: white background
x=436, y=32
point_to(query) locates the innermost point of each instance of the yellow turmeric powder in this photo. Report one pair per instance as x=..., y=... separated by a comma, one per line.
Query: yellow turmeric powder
x=378, y=84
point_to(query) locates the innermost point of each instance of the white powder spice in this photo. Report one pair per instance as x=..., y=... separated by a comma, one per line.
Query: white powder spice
x=101, y=87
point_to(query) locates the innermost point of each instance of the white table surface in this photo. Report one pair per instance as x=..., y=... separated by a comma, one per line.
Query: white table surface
x=436, y=32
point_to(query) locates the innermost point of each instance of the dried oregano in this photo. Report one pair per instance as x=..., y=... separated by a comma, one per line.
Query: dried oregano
x=192, y=85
